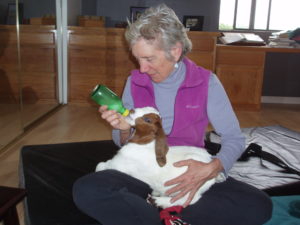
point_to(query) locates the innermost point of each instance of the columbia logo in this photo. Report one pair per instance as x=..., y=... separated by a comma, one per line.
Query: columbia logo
x=192, y=106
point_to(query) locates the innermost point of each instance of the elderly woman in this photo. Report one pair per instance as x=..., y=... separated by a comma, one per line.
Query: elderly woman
x=188, y=97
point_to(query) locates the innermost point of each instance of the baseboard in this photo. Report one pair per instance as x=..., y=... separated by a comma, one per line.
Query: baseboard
x=280, y=100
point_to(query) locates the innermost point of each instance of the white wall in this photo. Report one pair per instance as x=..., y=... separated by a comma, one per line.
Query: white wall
x=117, y=11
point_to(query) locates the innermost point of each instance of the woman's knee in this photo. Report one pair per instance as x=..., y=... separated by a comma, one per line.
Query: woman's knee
x=261, y=207
x=83, y=189
x=99, y=185
x=230, y=203
x=255, y=205
x=94, y=186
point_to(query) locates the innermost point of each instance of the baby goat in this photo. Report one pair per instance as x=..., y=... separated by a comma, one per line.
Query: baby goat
x=148, y=158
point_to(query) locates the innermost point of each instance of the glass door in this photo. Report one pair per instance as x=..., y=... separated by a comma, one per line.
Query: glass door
x=39, y=80
x=28, y=64
x=10, y=108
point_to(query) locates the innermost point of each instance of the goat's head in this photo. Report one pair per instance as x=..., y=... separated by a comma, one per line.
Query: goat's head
x=148, y=127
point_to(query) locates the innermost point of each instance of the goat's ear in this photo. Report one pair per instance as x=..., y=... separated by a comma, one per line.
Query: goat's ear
x=161, y=145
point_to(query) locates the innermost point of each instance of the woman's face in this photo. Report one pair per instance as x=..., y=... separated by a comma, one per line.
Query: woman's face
x=153, y=61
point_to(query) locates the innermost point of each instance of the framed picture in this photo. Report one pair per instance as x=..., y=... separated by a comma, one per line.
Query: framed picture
x=193, y=23
x=12, y=13
x=135, y=12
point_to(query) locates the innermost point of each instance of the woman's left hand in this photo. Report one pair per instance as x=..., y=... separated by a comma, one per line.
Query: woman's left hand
x=196, y=175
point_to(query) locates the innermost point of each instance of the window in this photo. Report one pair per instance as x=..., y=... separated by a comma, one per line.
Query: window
x=259, y=14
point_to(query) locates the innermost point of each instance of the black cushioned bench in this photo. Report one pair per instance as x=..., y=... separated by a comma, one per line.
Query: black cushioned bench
x=49, y=171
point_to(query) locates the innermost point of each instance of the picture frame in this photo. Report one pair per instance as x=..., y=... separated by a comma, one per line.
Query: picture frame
x=135, y=12
x=193, y=23
x=11, y=13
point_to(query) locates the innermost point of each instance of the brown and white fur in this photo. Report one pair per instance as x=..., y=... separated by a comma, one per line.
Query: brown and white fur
x=147, y=157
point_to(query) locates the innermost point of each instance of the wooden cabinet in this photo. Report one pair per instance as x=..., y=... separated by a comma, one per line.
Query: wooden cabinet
x=204, y=48
x=97, y=55
x=101, y=55
x=37, y=58
x=38, y=63
x=42, y=21
x=240, y=70
x=91, y=21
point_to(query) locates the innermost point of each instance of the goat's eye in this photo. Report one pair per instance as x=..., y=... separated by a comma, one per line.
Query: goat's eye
x=147, y=120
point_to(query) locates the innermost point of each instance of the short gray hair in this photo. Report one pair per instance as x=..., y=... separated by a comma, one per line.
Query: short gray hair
x=160, y=24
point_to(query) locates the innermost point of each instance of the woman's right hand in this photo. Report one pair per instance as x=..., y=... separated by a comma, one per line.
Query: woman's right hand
x=116, y=120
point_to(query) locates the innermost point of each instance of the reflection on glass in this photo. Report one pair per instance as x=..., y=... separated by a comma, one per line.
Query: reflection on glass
x=10, y=118
x=243, y=14
x=28, y=75
x=38, y=70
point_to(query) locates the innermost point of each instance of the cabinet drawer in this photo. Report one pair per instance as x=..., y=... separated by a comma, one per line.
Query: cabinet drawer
x=237, y=57
x=242, y=84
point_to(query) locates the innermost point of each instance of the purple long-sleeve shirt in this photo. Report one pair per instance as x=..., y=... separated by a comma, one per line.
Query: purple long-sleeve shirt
x=219, y=110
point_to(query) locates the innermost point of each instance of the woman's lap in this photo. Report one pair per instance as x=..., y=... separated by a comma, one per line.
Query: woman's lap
x=230, y=202
x=112, y=197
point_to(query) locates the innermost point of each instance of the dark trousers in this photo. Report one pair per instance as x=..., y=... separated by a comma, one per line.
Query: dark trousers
x=114, y=198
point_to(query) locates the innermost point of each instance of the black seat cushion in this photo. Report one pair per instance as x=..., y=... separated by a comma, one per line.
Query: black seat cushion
x=48, y=173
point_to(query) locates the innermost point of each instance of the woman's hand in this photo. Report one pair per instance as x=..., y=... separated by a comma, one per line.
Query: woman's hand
x=116, y=120
x=196, y=175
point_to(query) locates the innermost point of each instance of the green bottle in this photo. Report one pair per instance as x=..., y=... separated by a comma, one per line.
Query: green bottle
x=104, y=96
